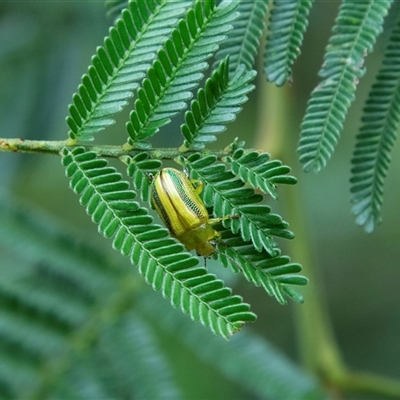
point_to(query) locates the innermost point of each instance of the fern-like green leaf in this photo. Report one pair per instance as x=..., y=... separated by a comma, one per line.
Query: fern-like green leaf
x=243, y=41
x=130, y=342
x=276, y=274
x=39, y=329
x=54, y=308
x=355, y=32
x=120, y=64
x=217, y=104
x=31, y=332
x=161, y=259
x=28, y=237
x=178, y=67
x=376, y=138
x=228, y=195
x=260, y=171
x=288, y=23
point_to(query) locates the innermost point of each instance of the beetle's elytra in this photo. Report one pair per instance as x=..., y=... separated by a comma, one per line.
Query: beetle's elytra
x=176, y=199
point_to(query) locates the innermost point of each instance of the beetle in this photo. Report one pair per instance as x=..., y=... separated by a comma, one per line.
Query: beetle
x=176, y=199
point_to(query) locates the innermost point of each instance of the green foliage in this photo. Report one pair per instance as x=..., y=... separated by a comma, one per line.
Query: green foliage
x=120, y=64
x=288, y=23
x=66, y=328
x=177, y=69
x=242, y=42
x=216, y=105
x=261, y=262
x=139, y=169
x=228, y=195
x=49, y=302
x=354, y=34
x=247, y=359
x=274, y=273
x=107, y=368
x=376, y=138
x=161, y=260
x=260, y=171
x=74, y=323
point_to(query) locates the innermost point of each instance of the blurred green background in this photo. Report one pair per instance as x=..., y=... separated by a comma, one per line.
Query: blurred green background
x=45, y=47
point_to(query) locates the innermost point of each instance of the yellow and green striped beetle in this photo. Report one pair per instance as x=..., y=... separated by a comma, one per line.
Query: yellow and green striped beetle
x=176, y=199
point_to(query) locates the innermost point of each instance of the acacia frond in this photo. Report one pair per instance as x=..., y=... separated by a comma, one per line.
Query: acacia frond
x=288, y=23
x=120, y=64
x=354, y=36
x=19, y=310
x=160, y=259
x=376, y=138
x=178, y=68
x=130, y=341
x=260, y=171
x=65, y=294
x=217, y=104
x=31, y=332
x=228, y=195
x=243, y=41
x=276, y=274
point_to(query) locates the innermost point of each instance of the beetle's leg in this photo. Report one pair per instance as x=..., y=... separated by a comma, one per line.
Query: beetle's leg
x=213, y=221
x=198, y=185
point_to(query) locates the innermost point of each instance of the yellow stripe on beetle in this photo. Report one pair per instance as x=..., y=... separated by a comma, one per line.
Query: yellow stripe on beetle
x=176, y=198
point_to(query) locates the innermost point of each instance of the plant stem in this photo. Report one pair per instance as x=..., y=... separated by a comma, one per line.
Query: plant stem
x=31, y=146
x=317, y=344
x=369, y=383
x=318, y=348
x=54, y=147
